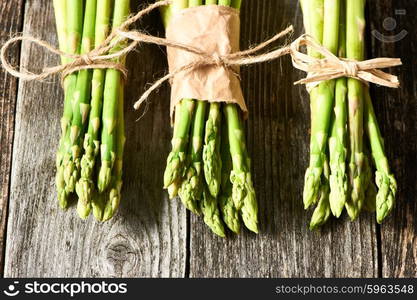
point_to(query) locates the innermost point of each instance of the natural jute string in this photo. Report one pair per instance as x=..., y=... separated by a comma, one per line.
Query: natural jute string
x=330, y=67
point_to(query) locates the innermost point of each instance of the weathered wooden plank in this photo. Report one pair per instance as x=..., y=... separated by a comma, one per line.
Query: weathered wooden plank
x=148, y=236
x=397, y=113
x=278, y=141
x=11, y=20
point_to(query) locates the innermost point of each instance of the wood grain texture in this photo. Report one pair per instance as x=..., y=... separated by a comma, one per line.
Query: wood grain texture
x=150, y=236
x=11, y=20
x=147, y=238
x=278, y=140
x=397, y=112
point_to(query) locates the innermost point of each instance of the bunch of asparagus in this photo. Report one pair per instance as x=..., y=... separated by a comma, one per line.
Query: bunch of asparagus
x=209, y=166
x=93, y=121
x=341, y=160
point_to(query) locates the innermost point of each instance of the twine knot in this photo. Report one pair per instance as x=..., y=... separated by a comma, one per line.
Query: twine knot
x=218, y=60
x=351, y=68
x=86, y=59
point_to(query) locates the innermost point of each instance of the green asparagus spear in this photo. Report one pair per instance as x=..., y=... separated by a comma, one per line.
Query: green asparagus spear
x=321, y=105
x=73, y=19
x=60, y=9
x=242, y=191
x=116, y=183
x=98, y=204
x=81, y=100
x=71, y=168
x=176, y=159
x=193, y=3
x=211, y=151
x=179, y=4
x=211, y=213
x=208, y=204
x=85, y=186
x=355, y=26
x=113, y=139
x=82, y=94
x=192, y=186
x=249, y=210
x=224, y=2
x=227, y=206
x=190, y=189
x=387, y=185
x=322, y=212
x=110, y=98
x=338, y=139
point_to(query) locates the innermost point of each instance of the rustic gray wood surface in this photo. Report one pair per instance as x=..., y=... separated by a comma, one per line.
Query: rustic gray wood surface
x=11, y=20
x=154, y=237
x=397, y=109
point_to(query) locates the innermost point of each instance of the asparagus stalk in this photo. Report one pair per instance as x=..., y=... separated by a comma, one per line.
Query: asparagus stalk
x=98, y=204
x=338, y=139
x=109, y=177
x=178, y=5
x=110, y=99
x=81, y=100
x=387, y=185
x=242, y=191
x=191, y=188
x=176, y=160
x=324, y=105
x=249, y=210
x=225, y=2
x=85, y=186
x=74, y=19
x=194, y=3
x=321, y=105
x=116, y=184
x=60, y=20
x=227, y=207
x=81, y=106
x=211, y=151
x=208, y=203
x=322, y=212
x=75, y=13
x=355, y=21
x=211, y=213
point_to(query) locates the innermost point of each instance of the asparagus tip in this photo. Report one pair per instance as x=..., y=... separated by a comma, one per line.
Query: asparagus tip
x=311, y=187
x=385, y=198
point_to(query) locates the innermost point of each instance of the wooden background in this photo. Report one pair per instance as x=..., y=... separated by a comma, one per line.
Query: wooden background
x=154, y=237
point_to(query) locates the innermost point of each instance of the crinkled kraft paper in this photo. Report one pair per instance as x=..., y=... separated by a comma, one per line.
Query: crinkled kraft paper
x=215, y=30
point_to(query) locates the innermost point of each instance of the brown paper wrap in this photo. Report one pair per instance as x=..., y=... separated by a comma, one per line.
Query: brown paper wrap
x=215, y=30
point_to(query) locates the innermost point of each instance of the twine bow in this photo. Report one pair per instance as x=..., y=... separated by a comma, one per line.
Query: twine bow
x=333, y=67
x=330, y=67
